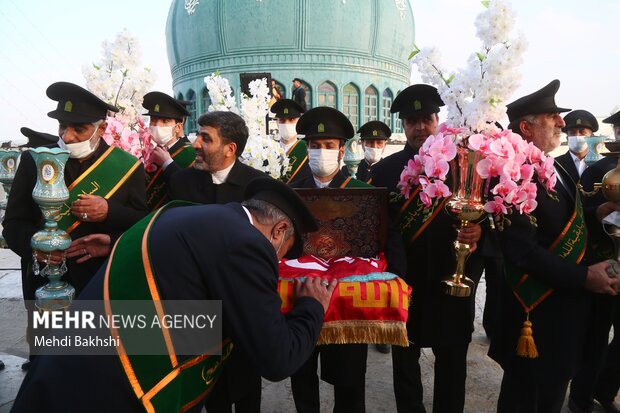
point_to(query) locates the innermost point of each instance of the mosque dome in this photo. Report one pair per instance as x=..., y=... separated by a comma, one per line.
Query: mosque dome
x=341, y=49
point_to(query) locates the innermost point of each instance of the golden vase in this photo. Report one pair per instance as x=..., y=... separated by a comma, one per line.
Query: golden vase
x=465, y=204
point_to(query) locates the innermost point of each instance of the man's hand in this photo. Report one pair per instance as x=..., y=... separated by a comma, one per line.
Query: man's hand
x=603, y=278
x=89, y=246
x=53, y=257
x=90, y=208
x=159, y=156
x=317, y=288
x=469, y=234
x=605, y=209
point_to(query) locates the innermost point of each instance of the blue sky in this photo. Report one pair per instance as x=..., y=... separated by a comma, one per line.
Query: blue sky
x=44, y=41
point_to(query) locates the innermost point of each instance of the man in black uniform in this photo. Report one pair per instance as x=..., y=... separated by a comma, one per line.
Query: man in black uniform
x=599, y=376
x=325, y=130
x=94, y=221
x=436, y=320
x=166, y=120
x=545, y=301
x=173, y=151
x=288, y=112
x=344, y=366
x=579, y=125
x=36, y=139
x=374, y=136
x=299, y=94
x=217, y=176
x=202, y=252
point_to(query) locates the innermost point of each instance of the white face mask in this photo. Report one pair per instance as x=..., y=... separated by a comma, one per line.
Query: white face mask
x=287, y=131
x=577, y=144
x=161, y=134
x=80, y=150
x=372, y=155
x=323, y=162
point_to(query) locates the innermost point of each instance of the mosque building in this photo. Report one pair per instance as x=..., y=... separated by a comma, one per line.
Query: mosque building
x=350, y=54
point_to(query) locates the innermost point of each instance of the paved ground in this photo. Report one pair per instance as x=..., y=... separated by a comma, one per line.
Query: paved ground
x=482, y=382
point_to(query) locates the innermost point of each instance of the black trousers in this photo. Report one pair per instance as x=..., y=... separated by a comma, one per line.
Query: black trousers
x=219, y=400
x=608, y=383
x=239, y=384
x=450, y=375
x=348, y=398
x=494, y=278
x=583, y=385
x=528, y=387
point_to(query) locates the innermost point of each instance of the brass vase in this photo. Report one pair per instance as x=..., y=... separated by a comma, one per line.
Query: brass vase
x=465, y=204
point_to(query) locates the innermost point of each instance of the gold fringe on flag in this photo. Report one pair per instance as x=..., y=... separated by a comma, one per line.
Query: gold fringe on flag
x=364, y=331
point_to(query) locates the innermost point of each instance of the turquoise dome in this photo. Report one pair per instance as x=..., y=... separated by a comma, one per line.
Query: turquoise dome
x=341, y=49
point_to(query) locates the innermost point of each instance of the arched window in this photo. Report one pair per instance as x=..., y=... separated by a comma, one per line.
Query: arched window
x=327, y=94
x=386, y=103
x=351, y=104
x=371, y=108
x=308, y=95
x=398, y=125
x=397, y=122
x=190, y=123
x=206, y=100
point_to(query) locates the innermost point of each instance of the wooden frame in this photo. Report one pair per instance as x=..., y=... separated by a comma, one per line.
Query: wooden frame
x=352, y=221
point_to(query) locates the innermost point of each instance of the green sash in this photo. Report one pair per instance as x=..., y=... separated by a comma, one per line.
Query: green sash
x=414, y=217
x=570, y=245
x=297, y=157
x=354, y=183
x=103, y=178
x=156, y=191
x=159, y=382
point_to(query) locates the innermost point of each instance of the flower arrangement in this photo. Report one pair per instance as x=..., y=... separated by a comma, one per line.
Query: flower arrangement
x=118, y=80
x=131, y=137
x=475, y=98
x=261, y=151
x=429, y=168
x=220, y=93
x=506, y=159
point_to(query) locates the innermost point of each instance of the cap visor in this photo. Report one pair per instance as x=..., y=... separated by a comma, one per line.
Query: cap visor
x=72, y=117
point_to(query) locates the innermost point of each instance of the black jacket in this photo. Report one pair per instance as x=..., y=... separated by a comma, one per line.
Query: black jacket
x=601, y=243
x=363, y=171
x=559, y=322
x=203, y=252
x=197, y=186
x=566, y=160
x=240, y=377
